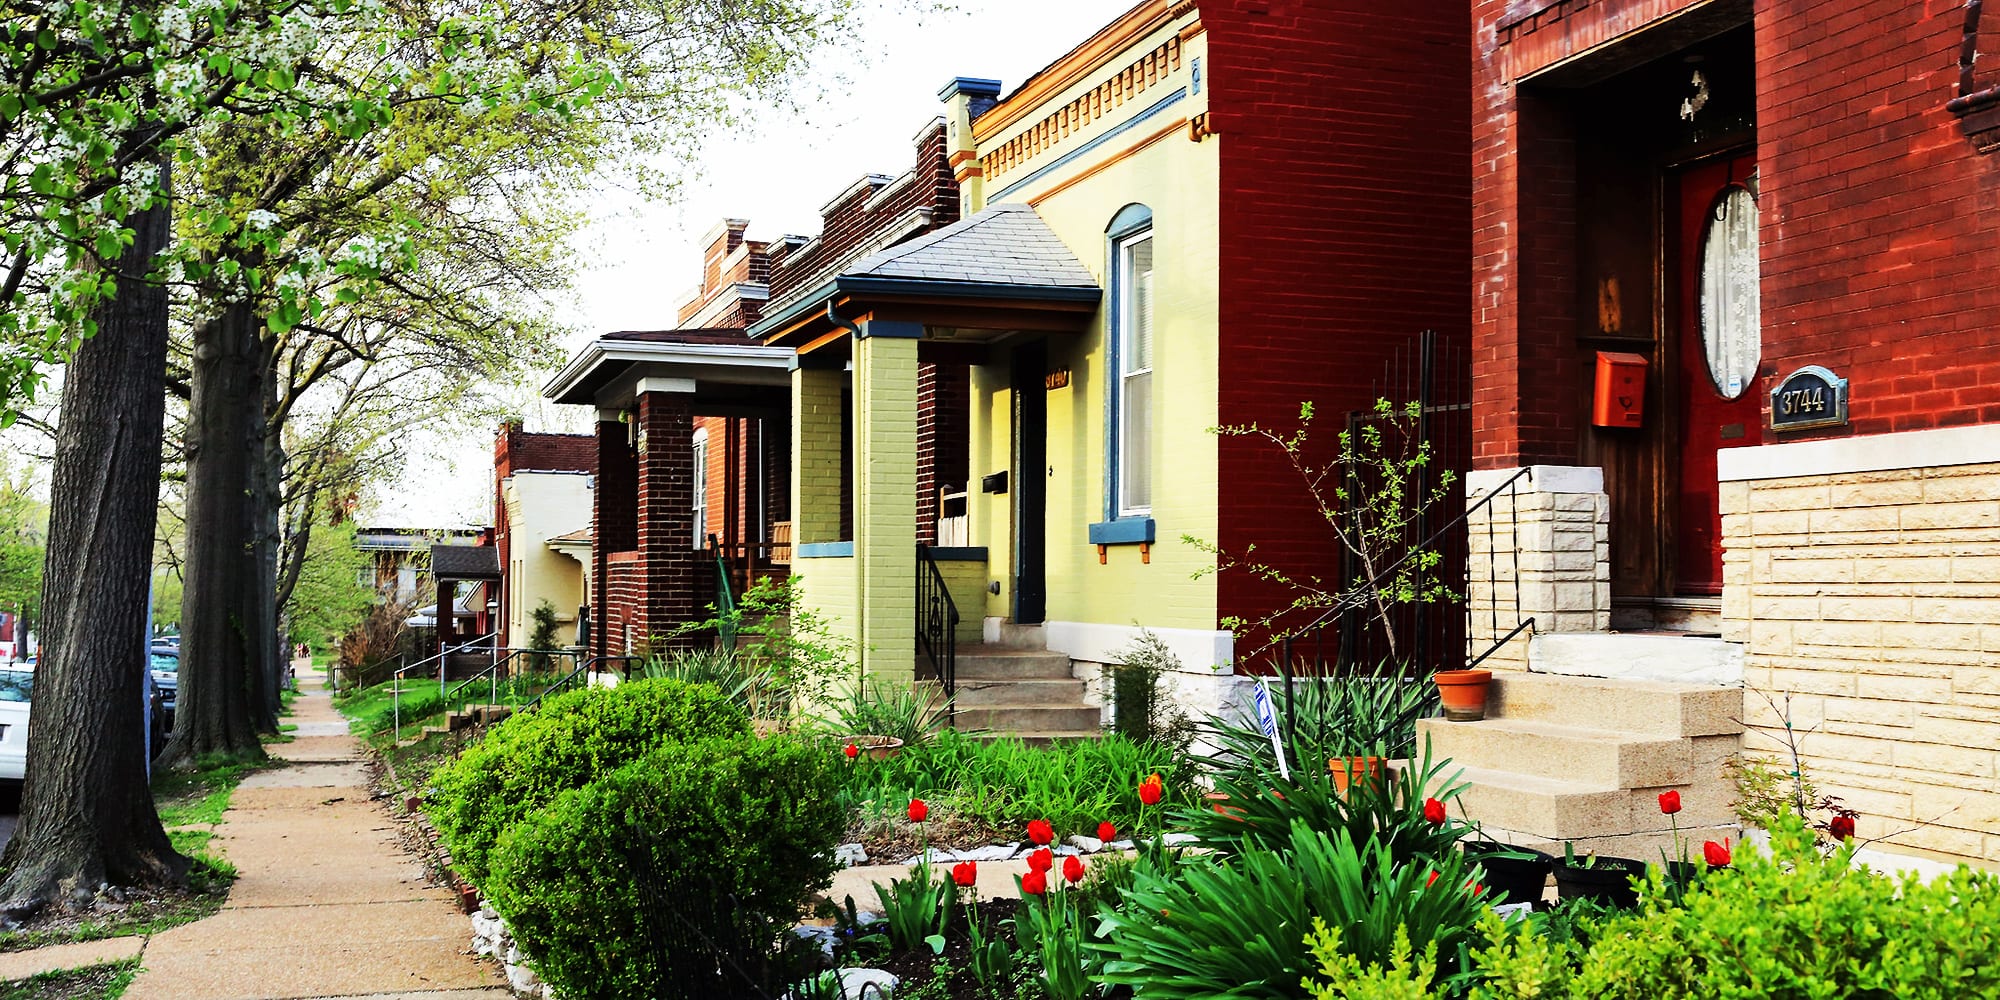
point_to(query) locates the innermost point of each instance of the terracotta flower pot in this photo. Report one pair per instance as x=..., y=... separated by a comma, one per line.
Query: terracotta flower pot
x=1463, y=693
x=1348, y=770
x=1219, y=801
x=875, y=747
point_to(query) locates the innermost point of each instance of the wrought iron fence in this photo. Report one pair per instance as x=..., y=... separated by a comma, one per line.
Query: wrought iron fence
x=937, y=622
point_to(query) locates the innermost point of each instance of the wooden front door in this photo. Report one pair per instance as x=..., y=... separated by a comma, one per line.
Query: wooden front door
x=1716, y=351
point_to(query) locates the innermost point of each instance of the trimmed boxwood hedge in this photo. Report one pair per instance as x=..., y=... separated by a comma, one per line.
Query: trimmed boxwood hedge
x=620, y=888
x=530, y=759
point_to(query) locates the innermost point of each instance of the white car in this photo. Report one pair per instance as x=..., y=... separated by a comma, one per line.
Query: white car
x=17, y=685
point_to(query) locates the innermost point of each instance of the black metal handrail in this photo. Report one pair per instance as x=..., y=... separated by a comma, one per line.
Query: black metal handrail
x=1357, y=596
x=491, y=675
x=582, y=671
x=937, y=621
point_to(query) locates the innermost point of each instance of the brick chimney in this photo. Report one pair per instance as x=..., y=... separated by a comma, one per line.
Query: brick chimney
x=965, y=99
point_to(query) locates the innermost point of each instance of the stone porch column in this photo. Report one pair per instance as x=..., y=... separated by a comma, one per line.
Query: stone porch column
x=667, y=557
x=1544, y=539
x=885, y=495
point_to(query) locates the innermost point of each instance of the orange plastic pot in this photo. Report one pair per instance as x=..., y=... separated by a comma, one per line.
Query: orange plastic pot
x=1463, y=693
x=1219, y=801
x=1349, y=770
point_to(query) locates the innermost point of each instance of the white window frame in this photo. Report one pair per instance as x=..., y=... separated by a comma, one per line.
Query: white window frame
x=1123, y=326
x=700, y=488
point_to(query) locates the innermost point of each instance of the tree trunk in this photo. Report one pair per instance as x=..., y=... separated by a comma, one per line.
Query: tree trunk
x=224, y=641
x=269, y=663
x=87, y=815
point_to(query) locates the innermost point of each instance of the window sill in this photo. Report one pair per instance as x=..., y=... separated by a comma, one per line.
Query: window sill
x=1123, y=531
x=823, y=550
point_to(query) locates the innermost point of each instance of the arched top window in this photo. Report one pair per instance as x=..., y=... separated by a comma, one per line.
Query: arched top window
x=1128, y=220
x=1129, y=486
x=1730, y=308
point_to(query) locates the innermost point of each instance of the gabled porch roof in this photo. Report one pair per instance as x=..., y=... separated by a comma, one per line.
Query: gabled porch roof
x=999, y=272
x=730, y=374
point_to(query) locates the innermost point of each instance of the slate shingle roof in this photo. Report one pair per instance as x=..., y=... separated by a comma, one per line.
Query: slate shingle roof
x=465, y=562
x=1005, y=244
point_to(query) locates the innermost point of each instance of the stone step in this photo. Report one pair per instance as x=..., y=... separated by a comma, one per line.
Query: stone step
x=992, y=663
x=1653, y=708
x=1036, y=738
x=1558, y=809
x=1030, y=719
x=1596, y=757
x=1676, y=659
x=985, y=693
x=1007, y=635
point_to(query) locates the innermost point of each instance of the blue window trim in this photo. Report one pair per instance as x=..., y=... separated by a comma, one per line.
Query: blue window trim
x=1132, y=529
x=823, y=550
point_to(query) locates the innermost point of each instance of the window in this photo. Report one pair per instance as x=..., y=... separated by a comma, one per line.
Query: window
x=1731, y=324
x=1132, y=319
x=700, y=487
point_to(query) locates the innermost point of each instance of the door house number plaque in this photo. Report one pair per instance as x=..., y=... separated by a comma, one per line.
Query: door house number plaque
x=1809, y=397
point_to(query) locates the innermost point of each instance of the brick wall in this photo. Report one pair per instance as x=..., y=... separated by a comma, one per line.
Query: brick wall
x=667, y=555
x=614, y=521
x=944, y=397
x=853, y=222
x=1345, y=200
x=516, y=450
x=1873, y=600
x=1881, y=223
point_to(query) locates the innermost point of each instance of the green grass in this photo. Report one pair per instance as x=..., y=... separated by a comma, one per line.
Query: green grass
x=93, y=982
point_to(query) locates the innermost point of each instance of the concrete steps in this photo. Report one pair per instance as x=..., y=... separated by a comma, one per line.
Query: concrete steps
x=1567, y=758
x=1012, y=688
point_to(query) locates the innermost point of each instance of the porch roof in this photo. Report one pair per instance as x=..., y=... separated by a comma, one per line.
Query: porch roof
x=606, y=372
x=1002, y=269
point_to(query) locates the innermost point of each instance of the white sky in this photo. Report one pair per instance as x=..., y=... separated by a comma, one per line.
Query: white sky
x=638, y=259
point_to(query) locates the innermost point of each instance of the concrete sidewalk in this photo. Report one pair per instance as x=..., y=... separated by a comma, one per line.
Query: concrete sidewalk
x=328, y=904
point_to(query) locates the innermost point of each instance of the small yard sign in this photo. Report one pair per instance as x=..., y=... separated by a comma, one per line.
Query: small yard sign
x=1267, y=720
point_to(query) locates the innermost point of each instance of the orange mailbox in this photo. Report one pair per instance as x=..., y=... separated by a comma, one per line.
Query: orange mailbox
x=1620, y=400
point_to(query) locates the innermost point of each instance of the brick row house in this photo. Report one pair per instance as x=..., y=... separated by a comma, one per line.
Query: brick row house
x=541, y=521
x=1203, y=214
x=1737, y=403
x=693, y=440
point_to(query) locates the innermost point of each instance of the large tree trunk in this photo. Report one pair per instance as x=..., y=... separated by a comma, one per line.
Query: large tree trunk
x=270, y=475
x=224, y=638
x=87, y=815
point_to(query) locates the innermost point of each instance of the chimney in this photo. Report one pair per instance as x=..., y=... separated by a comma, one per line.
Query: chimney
x=965, y=99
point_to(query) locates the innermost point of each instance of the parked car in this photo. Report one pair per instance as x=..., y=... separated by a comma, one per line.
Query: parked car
x=17, y=686
x=166, y=668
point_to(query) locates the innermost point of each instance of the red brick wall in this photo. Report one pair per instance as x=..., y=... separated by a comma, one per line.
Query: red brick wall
x=667, y=556
x=1344, y=220
x=614, y=522
x=516, y=450
x=944, y=396
x=1880, y=223
x=850, y=223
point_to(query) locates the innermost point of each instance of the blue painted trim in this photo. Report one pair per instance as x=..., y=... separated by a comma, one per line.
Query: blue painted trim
x=889, y=329
x=1066, y=158
x=823, y=550
x=1131, y=221
x=959, y=553
x=1124, y=531
x=862, y=284
x=973, y=85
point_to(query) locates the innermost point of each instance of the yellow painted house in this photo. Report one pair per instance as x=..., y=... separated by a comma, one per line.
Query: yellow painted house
x=1126, y=215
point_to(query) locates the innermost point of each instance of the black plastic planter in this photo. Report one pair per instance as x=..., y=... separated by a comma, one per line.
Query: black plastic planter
x=1514, y=874
x=1609, y=881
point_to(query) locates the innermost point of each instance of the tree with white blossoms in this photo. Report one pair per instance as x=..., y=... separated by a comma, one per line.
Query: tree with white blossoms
x=458, y=209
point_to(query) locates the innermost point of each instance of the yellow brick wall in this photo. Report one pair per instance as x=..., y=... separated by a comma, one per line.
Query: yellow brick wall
x=966, y=580
x=827, y=586
x=885, y=504
x=817, y=418
x=1872, y=599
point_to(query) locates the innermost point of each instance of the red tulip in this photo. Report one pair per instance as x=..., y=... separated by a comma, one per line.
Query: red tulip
x=1670, y=802
x=1433, y=880
x=965, y=874
x=1474, y=887
x=851, y=751
x=1841, y=826
x=1034, y=883
x=1040, y=831
x=918, y=810
x=1073, y=869
x=1717, y=855
x=1151, y=790
x=1041, y=860
x=1107, y=832
x=1434, y=812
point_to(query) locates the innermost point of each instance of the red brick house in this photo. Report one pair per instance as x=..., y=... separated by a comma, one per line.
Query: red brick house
x=693, y=434
x=1776, y=222
x=541, y=486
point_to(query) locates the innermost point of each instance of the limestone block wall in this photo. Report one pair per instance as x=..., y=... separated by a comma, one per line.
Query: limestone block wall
x=1865, y=582
x=1543, y=539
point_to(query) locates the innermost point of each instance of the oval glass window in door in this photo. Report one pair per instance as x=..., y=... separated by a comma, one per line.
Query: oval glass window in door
x=1731, y=324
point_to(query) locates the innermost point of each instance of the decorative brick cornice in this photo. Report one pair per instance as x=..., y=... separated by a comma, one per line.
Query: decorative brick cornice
x=1109, y=95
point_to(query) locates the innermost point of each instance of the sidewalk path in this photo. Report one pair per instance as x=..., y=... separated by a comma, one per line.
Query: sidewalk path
x=328, y=903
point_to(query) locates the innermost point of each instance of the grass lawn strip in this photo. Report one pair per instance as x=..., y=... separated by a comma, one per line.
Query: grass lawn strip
x=93, y=982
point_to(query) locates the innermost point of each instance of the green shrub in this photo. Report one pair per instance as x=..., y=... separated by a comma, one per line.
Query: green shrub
x=1236, y=926
x=1143, y=707
x=528, y=760
x=913, y=713
x=1794, y=923
x=592, y=884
